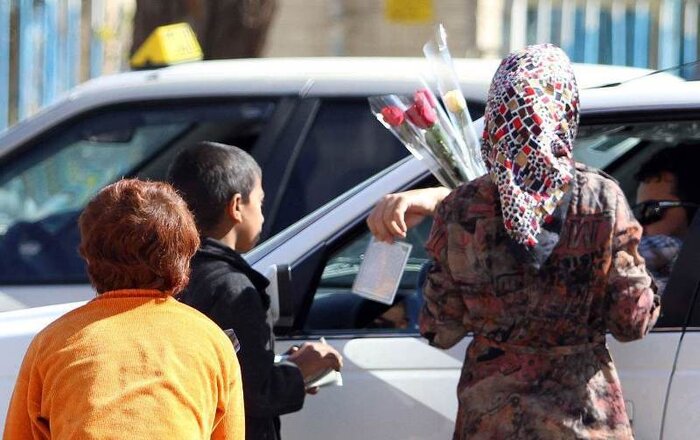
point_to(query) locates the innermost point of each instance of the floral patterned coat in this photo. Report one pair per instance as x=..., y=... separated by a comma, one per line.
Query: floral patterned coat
x=538, y=366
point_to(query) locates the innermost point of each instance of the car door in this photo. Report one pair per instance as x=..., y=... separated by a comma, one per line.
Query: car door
x=395, y=384
x=682, y=409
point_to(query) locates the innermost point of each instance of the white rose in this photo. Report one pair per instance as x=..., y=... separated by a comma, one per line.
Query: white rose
x=454, y=101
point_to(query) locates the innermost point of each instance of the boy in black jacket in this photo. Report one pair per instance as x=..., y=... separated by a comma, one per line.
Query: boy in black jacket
x=222, y=185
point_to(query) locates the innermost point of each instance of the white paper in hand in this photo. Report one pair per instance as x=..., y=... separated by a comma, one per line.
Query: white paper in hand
x=381, y=270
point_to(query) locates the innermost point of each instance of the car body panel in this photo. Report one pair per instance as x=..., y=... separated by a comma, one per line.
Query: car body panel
x=683, y=408
x=395, y=388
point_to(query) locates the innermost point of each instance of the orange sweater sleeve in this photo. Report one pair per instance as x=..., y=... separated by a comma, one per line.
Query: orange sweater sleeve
x=231, y=425
x=23, y=421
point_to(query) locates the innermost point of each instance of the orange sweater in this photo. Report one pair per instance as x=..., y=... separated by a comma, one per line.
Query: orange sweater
x=130, y=364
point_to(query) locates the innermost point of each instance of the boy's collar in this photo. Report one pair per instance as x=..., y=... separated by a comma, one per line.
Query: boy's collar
x=221, y=250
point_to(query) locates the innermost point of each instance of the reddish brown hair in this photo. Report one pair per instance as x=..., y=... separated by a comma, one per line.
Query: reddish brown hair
x=138, y=235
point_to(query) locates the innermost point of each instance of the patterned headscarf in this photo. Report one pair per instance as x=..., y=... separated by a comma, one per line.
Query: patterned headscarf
x=530, y=124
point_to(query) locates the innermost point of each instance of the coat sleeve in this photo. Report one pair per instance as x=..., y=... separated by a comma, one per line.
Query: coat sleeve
x=441, y=317
x=632, y=302
x=269, y=389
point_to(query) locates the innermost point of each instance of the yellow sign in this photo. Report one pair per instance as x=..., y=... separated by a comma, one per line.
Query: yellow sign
x=409, y=11
x=171, y=44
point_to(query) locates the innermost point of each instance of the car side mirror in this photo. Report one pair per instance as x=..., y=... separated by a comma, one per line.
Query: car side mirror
x=280, y=292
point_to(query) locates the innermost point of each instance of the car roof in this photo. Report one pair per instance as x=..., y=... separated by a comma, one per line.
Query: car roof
x=283, y=77
x=345, y=76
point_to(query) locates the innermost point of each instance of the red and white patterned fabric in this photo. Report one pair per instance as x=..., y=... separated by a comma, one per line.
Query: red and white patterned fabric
x=530, y=123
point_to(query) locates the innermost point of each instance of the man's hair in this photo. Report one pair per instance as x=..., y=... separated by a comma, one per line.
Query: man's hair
x=679, y=161
x=138, y=235
x=208, y=175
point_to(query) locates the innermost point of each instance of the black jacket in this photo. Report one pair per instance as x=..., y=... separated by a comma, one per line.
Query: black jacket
x=225, y=288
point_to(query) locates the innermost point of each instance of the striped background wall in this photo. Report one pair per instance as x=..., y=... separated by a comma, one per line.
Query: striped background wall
x=642, y=33
x=48, y=46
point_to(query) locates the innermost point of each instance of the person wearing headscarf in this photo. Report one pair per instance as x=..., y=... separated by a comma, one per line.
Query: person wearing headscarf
x=538, y=260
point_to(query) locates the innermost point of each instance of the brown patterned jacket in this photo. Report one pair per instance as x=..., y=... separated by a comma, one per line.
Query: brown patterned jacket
x=538, y=366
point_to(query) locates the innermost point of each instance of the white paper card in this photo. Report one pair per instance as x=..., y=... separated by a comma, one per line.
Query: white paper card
x=381, y=270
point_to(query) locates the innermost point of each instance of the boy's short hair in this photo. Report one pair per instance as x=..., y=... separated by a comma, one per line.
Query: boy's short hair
x=208, y=175
x=138, y=235
x=678, y=161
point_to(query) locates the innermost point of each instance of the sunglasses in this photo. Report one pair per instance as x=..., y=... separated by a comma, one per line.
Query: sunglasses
x=651, y=211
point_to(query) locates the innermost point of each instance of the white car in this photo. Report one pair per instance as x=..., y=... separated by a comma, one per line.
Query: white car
x=295, y=116
x=395, y=385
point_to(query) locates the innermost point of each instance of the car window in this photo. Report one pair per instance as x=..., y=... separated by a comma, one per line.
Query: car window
x=43, y=191
x=344, y=146
x=335, y=307
x=601, y=148
x=621, y=148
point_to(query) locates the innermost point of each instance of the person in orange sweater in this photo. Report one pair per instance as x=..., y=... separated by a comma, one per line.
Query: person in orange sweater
x=133, y=362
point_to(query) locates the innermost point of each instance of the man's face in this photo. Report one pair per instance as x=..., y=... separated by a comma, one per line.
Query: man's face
x=248, y=231
x=674, y=221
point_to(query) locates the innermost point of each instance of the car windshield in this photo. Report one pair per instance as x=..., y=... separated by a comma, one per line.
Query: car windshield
x=43, y=183
x=45, y=187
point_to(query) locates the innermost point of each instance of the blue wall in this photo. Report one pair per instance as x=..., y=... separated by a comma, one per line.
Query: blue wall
x=47, y=54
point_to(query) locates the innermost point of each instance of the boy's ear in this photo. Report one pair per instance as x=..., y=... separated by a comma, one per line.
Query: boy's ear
x=233, y=209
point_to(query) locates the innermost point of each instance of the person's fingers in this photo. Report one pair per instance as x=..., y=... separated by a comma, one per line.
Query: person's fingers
x=372, y=220
x=334, y=363
x=334, y=359
x=400, y=216
x=392, y=216
x=387, y=211
x=312, y=391
x=299, y=350
x=375, y=220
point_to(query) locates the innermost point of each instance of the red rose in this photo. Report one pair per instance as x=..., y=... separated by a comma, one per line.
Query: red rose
x=425, y=97
x=392, y=115
x=421, y=115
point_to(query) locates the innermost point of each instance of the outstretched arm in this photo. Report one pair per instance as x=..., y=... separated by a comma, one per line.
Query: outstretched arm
x=396, y=213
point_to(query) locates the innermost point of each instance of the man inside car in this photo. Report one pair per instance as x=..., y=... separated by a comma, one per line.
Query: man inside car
x=668, y=196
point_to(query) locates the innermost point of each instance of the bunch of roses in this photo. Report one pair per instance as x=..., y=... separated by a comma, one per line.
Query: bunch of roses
x=421, y=113
x=422, y=117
